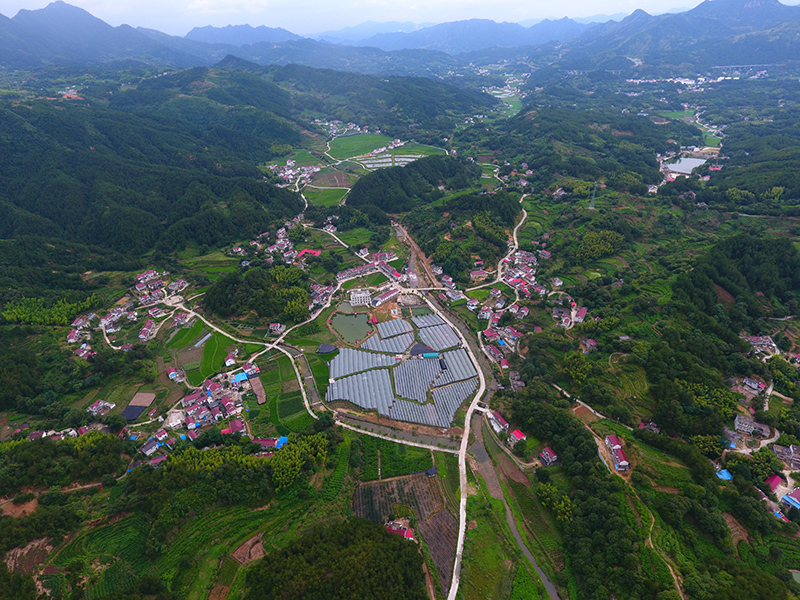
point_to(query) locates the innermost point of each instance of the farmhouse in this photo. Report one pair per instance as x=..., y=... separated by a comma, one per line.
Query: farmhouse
x=517, y=436
x=100, y=407
x=385, y=297
x=620, y=459
x=498, y=422
x=149, y=448
x=792, y=499
x=548, y=457
x=748, y=425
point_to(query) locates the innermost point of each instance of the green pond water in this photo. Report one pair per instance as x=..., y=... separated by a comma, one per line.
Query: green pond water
x=352, y=328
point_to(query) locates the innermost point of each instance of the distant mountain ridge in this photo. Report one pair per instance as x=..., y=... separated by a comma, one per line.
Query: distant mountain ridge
x=712, y=33
x=476, y=34
x=240, y=35
x=716, y=32
x=64, y=34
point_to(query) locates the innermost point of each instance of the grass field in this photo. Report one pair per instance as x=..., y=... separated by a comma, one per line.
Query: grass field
x=488, y=561
x=186, y=335
x=321, y=197
x=355, y=237
x=356, y=145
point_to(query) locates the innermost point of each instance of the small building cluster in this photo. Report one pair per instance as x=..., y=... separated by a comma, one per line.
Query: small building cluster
x=617, y=453
x=749, y=426
x=99, y=408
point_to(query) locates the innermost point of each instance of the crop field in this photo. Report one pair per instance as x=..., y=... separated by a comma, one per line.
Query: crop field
x=440, y=533
x=373, y=279
x=290, y=404
x=183, y=337
x=323, y=197
x=356, y=145
x=447, y=467
x=275, y=418
x=355, y=237
x=333, y=485
x=321, y=371
x=435, y=524
x=214, y=352
x=395, y=459
x=299, y=422
x=631, y=380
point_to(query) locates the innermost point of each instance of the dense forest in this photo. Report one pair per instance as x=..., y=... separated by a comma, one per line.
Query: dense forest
x=399, y=189
x=462, y=226
x=129, y=182
x=352, y=560
x=279, y=292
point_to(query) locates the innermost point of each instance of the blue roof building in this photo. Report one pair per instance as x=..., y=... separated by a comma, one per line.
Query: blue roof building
x=282, y=441
x=792, y=498
x=240, y=377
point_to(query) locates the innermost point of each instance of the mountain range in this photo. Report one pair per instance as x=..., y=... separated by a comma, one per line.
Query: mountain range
x=716, y=32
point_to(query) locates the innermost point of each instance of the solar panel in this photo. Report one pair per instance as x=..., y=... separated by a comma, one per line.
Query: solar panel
x=393, y=345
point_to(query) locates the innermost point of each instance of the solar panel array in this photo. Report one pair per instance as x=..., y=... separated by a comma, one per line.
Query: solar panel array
x=411, y=412
x=363, y=379
x=427, y=321
x=438, y=337
x=393, y=345
x=371, y=390
x=459, y=367
x=393, y=328
x=350, y=361
x=413, y=378
x=448, y=399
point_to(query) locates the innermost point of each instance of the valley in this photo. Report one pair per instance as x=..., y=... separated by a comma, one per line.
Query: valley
x=510, y=318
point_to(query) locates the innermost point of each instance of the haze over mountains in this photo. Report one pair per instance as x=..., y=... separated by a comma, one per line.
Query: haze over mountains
x=715, y=32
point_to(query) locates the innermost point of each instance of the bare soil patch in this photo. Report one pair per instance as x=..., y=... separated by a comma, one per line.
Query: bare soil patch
x=292, y=385
x=584, y=414
x=738, y=532
x=668, y=489
x=472, y=525
x=251, y=550
x=25, y=559
x=9, y=509
x=218, y=592
x=331, y=178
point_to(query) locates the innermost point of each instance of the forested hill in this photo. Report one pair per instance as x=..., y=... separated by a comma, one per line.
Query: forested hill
x=172, y=160
x=405, y=105
x=399, y=189
x=132, y=182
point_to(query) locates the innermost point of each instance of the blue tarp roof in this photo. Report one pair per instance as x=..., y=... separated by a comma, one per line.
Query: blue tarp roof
x=183, y=437
x=282, y=441
x=724, y=474
x=787, y=499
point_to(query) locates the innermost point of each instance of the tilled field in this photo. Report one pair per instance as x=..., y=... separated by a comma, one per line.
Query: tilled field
x=438, y=528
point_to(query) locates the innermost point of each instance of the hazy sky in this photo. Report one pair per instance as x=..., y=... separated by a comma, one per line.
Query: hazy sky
x=177, y=17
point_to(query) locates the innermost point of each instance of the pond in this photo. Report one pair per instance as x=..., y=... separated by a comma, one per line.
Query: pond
x=685, y=165
x=352, y=328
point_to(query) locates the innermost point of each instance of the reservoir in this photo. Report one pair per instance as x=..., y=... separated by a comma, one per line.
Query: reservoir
x=685, y=165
